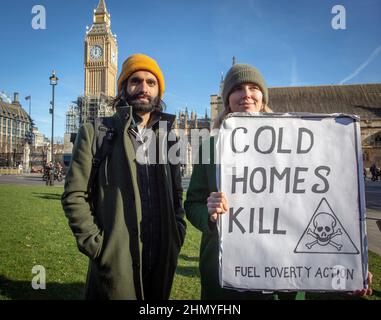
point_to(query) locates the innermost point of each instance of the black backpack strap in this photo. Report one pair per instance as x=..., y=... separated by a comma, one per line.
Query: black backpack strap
x=104, y=133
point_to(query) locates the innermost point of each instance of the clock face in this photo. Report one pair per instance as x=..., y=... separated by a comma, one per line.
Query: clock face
x=96, y=52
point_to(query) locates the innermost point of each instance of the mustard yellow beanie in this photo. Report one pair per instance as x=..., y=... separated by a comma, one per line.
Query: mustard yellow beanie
x=141, y=62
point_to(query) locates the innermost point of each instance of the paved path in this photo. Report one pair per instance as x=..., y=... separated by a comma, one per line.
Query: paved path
x=28, y=179
x=373, y=212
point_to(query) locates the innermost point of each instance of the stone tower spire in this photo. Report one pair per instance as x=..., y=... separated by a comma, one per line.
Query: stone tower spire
x=101, y=14
x=101, y=7
x=221, y=83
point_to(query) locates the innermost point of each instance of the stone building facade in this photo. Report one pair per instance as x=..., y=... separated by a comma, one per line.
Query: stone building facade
x=184, y=124
x=15, y=132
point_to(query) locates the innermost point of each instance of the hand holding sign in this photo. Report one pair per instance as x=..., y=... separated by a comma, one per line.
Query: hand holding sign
x=217, y=204
x=365, y=292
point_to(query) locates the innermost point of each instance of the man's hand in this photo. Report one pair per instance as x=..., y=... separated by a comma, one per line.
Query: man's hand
x=217, y=204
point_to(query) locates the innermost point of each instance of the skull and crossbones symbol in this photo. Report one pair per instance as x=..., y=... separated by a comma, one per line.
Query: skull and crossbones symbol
x=324, y=231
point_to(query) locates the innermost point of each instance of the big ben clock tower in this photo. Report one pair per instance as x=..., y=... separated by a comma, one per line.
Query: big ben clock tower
x=101, y=55
x=101, y=65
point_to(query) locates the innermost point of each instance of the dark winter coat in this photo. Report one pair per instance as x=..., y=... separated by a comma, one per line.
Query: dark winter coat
x=107, y=226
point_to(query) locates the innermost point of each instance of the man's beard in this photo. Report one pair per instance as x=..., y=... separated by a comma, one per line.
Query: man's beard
x=138, y=106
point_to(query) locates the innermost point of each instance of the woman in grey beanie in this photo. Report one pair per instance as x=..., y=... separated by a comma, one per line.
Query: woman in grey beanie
x=244, y=90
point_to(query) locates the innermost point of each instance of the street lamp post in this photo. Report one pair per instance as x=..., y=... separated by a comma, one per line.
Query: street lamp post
x=53, y=82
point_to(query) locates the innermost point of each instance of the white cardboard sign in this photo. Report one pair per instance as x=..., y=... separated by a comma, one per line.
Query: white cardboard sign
x=296, y=219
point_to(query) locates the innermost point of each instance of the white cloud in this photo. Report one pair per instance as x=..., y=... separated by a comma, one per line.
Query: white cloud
x=362, y=66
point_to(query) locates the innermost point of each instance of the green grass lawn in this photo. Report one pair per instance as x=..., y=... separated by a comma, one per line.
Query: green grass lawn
x=34, y=231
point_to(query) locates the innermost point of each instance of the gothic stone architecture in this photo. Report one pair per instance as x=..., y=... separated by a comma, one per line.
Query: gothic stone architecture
x=101, y=55
x=363, y=100
x=183, y=125
x=15, y=125
x=101, y=67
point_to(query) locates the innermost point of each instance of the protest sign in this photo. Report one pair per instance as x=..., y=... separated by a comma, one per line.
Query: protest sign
x=295, y=189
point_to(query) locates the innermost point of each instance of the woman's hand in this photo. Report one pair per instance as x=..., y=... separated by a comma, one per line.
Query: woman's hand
x=365, y=292
x=217, y=204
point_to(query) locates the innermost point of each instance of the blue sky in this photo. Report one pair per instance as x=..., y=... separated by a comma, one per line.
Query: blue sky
x=291, y=42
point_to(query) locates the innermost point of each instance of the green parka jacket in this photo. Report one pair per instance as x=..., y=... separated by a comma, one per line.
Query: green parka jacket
x=107, y=226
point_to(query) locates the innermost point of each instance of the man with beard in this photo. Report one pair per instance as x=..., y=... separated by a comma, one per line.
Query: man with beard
x=131, y=222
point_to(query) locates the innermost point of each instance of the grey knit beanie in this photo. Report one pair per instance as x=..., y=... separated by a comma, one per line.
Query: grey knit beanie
x=243, y=73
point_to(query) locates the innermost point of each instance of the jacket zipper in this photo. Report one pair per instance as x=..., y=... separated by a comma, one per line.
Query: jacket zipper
x=150, y=218
x=150, y=242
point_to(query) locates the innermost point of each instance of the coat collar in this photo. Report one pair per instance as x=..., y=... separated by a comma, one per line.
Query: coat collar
x=169, y=118
x=124, y=115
